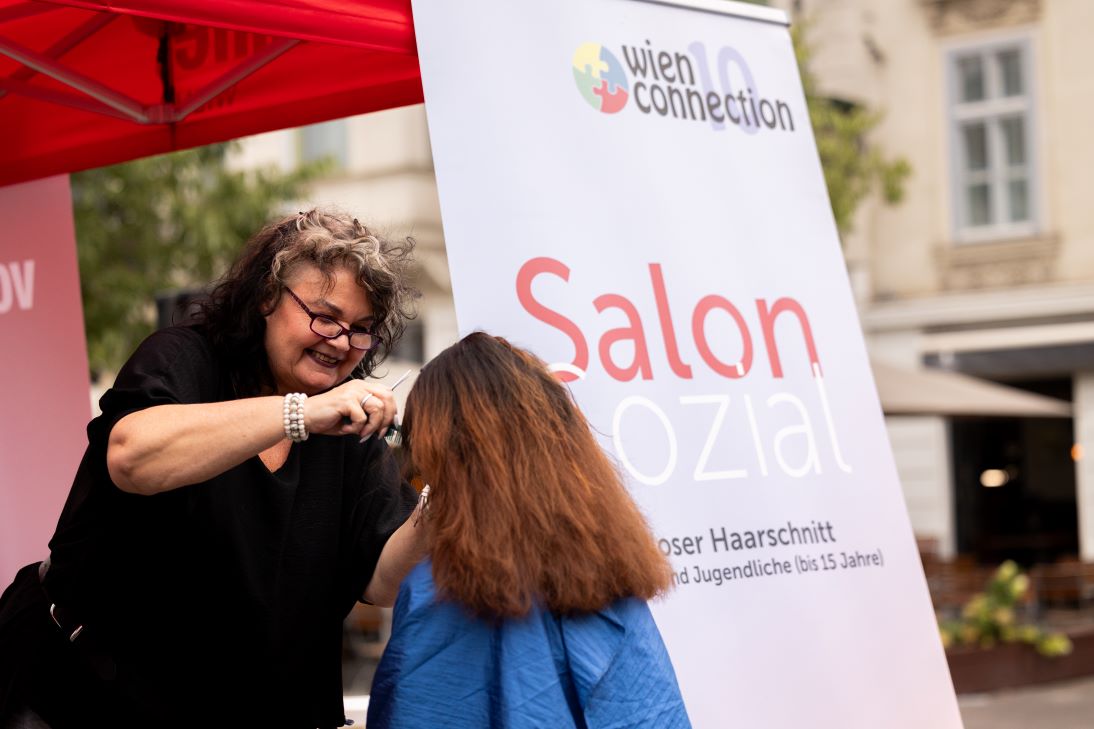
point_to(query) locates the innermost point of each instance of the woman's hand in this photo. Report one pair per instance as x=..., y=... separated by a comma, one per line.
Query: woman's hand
x=340, y=411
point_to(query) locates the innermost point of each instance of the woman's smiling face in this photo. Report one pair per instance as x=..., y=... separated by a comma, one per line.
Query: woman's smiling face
x=301, y=360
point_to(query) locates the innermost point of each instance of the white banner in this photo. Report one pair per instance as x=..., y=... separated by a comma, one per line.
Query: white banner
x=632, y=190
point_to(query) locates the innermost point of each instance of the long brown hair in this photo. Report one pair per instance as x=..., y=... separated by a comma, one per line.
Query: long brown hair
x=525, y=508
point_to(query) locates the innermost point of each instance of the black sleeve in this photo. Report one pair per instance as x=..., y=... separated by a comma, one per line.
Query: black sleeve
x=99, y=521
x=384, y=501
x=172, y=366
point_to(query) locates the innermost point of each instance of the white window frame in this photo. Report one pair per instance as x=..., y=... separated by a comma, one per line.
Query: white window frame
x=990, y=110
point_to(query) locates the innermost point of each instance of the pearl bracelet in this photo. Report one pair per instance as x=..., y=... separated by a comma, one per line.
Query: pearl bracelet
x=293, y=417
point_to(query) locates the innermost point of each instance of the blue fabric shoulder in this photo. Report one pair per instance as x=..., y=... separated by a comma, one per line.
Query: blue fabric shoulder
x=445, y=668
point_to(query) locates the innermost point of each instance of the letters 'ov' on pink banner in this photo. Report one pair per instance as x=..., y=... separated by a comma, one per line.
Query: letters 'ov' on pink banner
x=43, y=367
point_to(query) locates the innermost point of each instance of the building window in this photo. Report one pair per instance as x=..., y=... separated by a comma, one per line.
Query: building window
x=991, y=112
x=326, y=141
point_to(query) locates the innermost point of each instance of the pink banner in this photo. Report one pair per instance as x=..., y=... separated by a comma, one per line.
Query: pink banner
x=43, y=367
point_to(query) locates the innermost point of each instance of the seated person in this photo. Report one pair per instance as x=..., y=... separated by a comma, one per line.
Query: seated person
x=530, y=611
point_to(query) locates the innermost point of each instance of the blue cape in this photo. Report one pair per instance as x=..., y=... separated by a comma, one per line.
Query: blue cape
x=445, y=668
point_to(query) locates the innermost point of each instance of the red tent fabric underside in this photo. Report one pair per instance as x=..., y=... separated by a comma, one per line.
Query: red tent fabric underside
x=74, y=73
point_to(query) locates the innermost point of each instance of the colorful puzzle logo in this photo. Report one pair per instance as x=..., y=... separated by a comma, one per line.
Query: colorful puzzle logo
x=600, y=78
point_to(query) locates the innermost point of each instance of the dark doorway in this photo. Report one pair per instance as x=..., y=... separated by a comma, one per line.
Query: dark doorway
x=1014, y=482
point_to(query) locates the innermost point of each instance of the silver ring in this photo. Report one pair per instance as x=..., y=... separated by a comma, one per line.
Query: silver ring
x=364, y=400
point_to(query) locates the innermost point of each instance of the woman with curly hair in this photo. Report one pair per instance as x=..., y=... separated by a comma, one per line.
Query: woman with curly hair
x=531, y=609
x=233, y=503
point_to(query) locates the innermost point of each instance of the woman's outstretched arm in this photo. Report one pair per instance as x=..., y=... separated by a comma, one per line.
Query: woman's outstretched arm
x=168, y=446
x=405, y=548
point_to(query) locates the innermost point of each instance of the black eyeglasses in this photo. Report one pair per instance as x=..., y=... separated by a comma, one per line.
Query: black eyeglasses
x=328, y=328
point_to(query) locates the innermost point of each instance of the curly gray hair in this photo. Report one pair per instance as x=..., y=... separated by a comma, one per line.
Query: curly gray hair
x=328, y=239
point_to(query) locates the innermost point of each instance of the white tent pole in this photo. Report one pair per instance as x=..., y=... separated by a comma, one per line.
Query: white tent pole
x=96, y=90
x=216, y=87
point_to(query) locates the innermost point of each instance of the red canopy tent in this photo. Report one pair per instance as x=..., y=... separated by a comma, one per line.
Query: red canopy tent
x=85, y=83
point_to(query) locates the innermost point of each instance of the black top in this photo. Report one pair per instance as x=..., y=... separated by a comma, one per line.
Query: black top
x=230, y=592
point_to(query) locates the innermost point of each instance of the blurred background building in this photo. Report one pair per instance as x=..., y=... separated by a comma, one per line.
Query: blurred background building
x=987, y=266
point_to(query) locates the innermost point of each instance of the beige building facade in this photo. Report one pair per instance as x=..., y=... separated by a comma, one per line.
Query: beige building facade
x=987, y=266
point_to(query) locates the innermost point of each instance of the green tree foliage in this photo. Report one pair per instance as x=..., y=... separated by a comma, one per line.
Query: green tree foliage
x=160, y=224
x=990, y=617
x=853, y=167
